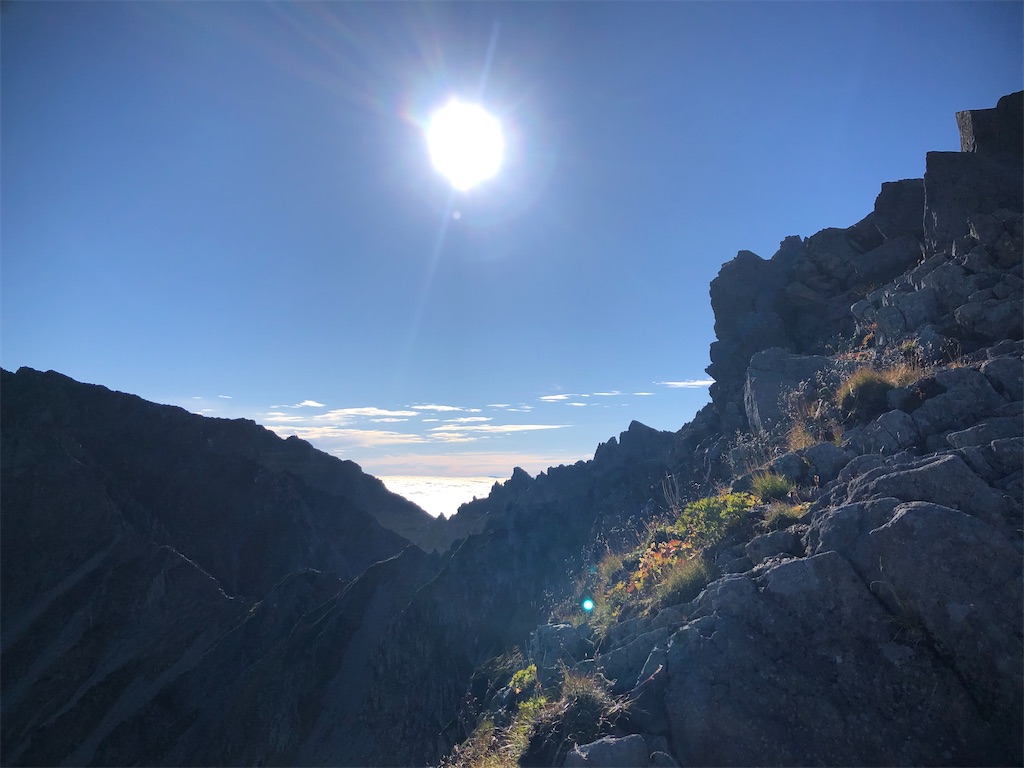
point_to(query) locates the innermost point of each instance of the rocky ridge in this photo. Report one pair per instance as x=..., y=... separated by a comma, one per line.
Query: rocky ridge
x=881, y=627
x=884, y=626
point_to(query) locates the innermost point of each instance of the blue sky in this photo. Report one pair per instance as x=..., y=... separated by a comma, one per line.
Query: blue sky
x=230, y=206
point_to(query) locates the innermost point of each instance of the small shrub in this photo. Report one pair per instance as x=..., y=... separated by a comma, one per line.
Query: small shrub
x=524, y=679
x=707, y=519
x=778, y=514
x=682, y=581
x=800, y=436
x=904, y=373
x=770, y=485
x=584, y=712
x=861, y=396
x=516, y=737
x=480, y=750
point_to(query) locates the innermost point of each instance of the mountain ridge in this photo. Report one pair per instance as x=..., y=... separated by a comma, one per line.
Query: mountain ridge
x=879, y=622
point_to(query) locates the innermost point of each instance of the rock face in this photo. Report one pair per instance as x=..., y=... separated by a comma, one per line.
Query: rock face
x=187, y=591
x=991, y=131
x=886, y=627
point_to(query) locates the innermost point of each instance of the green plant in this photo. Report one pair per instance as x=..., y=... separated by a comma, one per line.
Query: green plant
x=524, y=679
x=516, y=737
x=583, y=713
x=770, y=485
x=779, y=514
x=861, y=396
x=682, y=581
x=707, y=519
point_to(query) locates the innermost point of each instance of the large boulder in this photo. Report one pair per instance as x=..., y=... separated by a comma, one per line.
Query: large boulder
x=959, y=185
x=805, y=666
x=966, y=396
x=967, y=601
x=771, y=376
x=993, y=130
x=899, y=209
x=553, y=645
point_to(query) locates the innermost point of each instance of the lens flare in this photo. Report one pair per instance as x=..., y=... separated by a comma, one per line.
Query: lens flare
x=588, y=605
x=466, y=143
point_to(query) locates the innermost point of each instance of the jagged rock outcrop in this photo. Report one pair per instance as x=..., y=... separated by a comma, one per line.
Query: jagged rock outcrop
x=798, y=300
x=886, y=626
x=993, y=131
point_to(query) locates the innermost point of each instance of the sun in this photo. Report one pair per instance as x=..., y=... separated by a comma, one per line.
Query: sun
x=466, y=143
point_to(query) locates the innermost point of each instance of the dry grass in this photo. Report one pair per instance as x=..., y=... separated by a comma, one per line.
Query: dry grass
x=770, y=485
x=779, y=514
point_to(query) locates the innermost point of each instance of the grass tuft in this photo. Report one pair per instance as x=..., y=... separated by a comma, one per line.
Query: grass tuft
x=779, y=514
x=770, y=485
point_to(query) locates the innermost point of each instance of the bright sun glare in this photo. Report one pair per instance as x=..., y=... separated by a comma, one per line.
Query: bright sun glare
x=466, y=144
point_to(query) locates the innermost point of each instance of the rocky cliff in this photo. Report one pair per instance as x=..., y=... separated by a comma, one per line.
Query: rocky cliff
x=868, y=610
x=186, y=591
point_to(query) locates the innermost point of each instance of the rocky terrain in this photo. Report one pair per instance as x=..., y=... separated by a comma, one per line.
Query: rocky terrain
x=186, y=591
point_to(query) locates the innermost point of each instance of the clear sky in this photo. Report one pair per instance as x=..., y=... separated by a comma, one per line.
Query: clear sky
x=230, y=206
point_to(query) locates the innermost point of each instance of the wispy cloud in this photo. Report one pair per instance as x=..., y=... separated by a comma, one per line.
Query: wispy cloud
x=497, y=428
x=687, y=384
x=278, y=416
x=555, y=398
x=578, y=405
x=303, y=404
x=345, y=414
x=643, y=394
x=387, y=420
x=614, y=393
x=349, y=437
x=225, y=397
x=438, y=408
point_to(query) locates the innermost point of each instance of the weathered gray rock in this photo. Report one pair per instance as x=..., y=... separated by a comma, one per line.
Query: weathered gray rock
x=743, y=297
x=825, y=460
x=888, y=434
x=647, y=700
x=948, y=286
x=968, y=599
x=784, y=542
x=807, y=667
x=993, y=131
x=609, y=752
x=551, y=645
x=987, y=431
x=791, y=466
x=960, y=185
x=622, y=666
x=899, y=209
x=662, y=760
x=623, y=632
x=844, y=529
x=967, y=397
x=943, y=480
x=992, y=319
x=891, y=258
x=772, y=374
